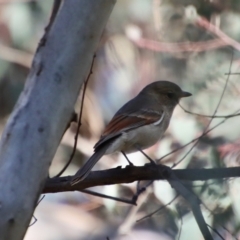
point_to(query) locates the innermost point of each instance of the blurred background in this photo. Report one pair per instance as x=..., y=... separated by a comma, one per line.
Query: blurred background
x=192, y=43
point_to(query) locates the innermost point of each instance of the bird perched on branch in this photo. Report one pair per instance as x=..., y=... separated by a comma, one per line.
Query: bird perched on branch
x=139, y=124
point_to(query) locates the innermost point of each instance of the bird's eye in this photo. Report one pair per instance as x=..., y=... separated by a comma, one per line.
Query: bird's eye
x=170, y=95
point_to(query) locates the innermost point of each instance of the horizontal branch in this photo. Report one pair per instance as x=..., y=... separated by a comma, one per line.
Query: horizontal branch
x=131, y=174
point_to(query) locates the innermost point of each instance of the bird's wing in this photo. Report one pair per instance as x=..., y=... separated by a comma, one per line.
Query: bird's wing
x=124, y=122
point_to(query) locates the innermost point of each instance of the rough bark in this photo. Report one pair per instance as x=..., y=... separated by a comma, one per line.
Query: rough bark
x=34, y=129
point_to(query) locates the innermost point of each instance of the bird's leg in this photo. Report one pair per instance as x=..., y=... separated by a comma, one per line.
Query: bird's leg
x=129, y=162
x=140, y=150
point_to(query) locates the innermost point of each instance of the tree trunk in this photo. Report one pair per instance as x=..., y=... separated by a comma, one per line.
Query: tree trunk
x=35, y=128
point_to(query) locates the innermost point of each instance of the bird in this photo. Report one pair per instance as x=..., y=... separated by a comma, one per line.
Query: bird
x=137, y=125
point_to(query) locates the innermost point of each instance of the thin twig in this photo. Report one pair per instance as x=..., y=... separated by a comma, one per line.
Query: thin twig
x=35, y=219
x=212, y=213
x=204, y=23
x=232, y=73
x=209, y=116
x=108, y=197
x=130, y=219
x=79, y=121
x=216, y=231
x=192, y=200
x=158, y=210
x=181, y=223
x=195, y=139
x=230, y=233
x=179, y=47
x=215, y=111
x=140, y=190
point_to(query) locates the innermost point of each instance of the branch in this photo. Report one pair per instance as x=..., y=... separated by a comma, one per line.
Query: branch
x=79, y=124
x=149, y=172
x=209, y=116
x=192, y=199
x=132, y=174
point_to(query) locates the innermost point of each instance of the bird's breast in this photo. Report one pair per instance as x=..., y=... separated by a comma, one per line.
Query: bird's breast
x=143, y=137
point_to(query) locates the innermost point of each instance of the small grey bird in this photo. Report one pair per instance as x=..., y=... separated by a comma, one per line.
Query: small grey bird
x=139, y=124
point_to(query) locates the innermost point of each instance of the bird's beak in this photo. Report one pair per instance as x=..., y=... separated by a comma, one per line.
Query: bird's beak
x=185, y=94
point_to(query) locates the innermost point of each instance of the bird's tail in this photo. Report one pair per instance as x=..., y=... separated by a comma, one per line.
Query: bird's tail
x=83, y=172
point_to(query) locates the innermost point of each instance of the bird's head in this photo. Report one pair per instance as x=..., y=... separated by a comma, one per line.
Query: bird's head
x=165, y=92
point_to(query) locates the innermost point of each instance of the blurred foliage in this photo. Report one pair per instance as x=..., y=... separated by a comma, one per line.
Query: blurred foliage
x=128, y=58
